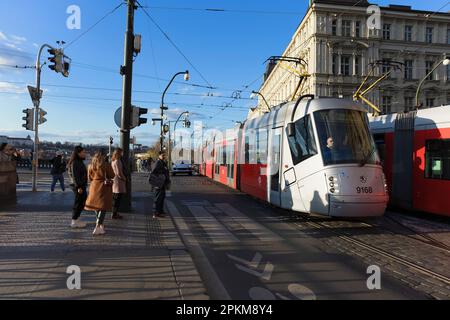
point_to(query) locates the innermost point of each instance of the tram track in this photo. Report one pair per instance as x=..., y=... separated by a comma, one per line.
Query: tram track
x=381, y=252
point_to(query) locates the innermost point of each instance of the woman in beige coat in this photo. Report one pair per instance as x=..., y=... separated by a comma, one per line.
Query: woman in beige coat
x=99, y=199
x=120, y=182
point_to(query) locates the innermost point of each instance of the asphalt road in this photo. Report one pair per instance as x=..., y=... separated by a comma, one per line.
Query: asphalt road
x=245, y=249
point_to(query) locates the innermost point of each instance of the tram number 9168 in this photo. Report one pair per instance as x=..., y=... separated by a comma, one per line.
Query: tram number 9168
x=364, y=190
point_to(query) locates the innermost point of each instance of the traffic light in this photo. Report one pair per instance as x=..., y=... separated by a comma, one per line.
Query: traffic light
x=186, y=123
x=136, y=119
x=42, y=114
x=111, y=140
x=29, y=119
x=57, y=60
x=61, y=63
x=66, y=66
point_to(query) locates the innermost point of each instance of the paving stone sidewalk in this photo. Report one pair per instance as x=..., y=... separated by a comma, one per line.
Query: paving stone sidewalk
x=139, y=257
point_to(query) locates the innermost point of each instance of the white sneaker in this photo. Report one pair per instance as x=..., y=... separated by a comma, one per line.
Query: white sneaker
x=77, y=224
x=102, y=229
x=98, y=231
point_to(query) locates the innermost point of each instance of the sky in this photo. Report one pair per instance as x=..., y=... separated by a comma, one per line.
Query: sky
x=224, y=50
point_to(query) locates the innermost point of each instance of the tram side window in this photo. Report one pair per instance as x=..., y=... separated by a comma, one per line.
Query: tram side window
x=261, y=151
x=437, y=159
x=380, y=142
x=247, y=149
x=302, y=144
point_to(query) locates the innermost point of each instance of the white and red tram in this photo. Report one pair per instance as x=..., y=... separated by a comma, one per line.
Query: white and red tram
x=315, y=155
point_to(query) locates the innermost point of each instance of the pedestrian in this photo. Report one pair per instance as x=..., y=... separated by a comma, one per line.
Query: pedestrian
x=119, y=182
x=57, y=171
x=78, y=176
x=160, y=192
x=100, y=196
x=6, y=152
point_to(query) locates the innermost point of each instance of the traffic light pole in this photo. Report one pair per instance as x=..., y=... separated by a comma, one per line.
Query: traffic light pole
x=127, y=73
x=36, y=103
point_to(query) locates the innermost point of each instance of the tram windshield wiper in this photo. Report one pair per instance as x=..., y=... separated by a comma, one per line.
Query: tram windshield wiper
x=367, y=157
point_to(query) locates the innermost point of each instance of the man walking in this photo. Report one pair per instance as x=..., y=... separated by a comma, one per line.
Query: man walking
x=160, y=192
x=57, y=172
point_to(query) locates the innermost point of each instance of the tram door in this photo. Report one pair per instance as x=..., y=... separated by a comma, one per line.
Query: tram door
x=273, y=168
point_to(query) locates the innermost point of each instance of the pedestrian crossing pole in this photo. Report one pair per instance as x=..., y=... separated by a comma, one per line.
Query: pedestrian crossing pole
x=127, y=73
x=36, y=102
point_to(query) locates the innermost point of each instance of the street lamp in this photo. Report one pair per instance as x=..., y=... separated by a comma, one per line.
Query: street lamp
x=445, y=62
x=256, y=93
x=186, y=78
x=174, y=136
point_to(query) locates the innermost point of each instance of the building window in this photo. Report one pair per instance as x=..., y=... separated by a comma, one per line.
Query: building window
x=345, y=65
x=437, y=159
x=409, y=103
x=429, y=35
x=386, y=31
x=448, y=36
x=358, y=29
x=357, y=66
x=334, y=27
x=386, y=104
x=408, y=33
x=429, y=102
x=346, y=28
x=408, y=69
x=428, y=68
x=386, y=67
x=335, y=59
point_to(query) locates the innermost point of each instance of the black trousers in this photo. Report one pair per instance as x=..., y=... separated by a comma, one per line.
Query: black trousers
x=80, y=201
x=159, y=196
x=117, y=198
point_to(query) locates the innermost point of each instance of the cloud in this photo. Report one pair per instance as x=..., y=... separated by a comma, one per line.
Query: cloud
x=11, y=88
x=11, y=54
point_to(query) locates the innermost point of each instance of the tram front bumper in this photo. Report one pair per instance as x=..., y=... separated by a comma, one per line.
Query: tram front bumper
x=358, y=206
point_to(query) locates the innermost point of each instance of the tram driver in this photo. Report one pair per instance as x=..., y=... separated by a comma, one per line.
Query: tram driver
x=329, y=150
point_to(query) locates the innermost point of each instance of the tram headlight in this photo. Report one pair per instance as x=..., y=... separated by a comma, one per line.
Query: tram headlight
x=332, y=190
x=331, y=178
x=332, y=184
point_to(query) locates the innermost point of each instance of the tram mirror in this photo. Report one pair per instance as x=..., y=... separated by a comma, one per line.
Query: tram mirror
x=291, y=129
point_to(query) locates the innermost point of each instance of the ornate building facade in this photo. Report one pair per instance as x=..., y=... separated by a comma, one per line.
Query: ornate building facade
x=337, y=42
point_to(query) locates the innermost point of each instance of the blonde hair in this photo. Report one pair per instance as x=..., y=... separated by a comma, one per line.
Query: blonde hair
x=97, y=161
x=117, y=154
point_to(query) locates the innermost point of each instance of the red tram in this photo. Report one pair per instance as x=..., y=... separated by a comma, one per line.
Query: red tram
x=415, y=150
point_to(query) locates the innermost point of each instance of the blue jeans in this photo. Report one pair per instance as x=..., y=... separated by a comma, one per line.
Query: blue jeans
x=56, y=178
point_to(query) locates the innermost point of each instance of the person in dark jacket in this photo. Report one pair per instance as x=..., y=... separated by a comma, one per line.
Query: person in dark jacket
x=160, y=193
x=78, y=175
x=57, y=172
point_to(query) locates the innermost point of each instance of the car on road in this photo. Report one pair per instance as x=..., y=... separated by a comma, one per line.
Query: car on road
x=183, y=167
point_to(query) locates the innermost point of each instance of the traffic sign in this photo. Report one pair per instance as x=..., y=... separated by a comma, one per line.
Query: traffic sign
x=35, y=97
x=118, y=117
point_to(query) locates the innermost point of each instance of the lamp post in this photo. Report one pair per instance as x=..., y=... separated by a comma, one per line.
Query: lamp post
x=255, y=93
x=445, y=62
x=174, y=136
x=186, y=78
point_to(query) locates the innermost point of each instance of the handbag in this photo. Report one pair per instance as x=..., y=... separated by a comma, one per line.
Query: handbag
x=107, y=182
x=157, y=180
